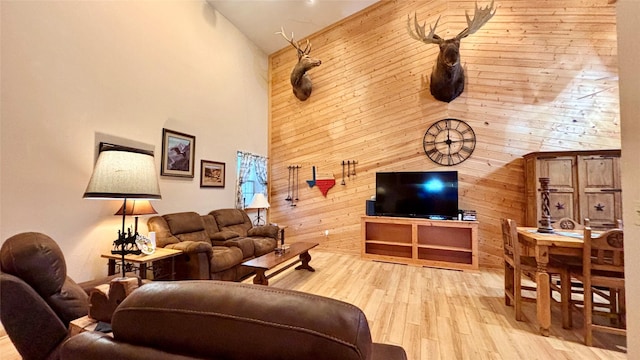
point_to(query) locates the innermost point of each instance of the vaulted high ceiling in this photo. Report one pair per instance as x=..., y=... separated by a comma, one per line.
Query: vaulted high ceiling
x=260, y=20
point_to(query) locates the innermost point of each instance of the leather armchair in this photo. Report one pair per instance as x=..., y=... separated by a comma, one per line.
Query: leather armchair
x=38, y=299
x=231, y=321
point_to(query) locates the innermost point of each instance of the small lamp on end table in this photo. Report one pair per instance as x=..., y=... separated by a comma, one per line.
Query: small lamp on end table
x=259, y=202
x=136, y=208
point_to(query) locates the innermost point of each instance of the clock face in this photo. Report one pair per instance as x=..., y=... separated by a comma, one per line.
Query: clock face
x=449, y=142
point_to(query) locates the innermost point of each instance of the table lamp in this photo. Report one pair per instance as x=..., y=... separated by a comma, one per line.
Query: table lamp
x=136, y=208
x=123, y=173
x=258, y=202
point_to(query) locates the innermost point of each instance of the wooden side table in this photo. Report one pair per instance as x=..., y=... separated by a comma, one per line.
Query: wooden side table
x=143, y=260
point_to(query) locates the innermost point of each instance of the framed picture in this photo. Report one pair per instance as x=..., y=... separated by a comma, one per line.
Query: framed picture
x=178, y=153
x=211, y=174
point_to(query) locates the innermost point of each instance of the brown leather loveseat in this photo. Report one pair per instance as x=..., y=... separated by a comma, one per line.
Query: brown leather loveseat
x=231, y=321
x=214, y=245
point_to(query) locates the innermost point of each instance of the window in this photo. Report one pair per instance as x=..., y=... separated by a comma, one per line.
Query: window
x=251, y=178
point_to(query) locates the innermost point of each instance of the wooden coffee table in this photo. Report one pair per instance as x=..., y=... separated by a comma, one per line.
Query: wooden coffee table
x=271, y=260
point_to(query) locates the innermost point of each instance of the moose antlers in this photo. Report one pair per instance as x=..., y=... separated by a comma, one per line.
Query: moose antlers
x=447, y=77
x=300, y=80
x=480, y=17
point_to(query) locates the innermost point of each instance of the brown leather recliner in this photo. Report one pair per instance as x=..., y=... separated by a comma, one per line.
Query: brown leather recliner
x=231, y=321
x=37, y=298
x=237, y=221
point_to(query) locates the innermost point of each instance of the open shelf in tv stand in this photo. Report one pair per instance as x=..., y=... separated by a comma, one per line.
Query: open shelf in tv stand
x=449, y=244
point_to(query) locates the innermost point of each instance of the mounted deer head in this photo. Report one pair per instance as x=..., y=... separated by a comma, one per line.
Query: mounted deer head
x=447, y=77
x=300, y=80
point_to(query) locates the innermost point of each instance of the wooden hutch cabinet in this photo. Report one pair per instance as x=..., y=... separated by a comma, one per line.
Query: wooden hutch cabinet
x=582, y=184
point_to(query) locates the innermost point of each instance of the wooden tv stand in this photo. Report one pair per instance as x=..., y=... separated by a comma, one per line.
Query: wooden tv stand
x=449, y=244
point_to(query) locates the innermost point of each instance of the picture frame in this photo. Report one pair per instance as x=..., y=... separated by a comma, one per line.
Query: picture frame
x=178, y=154
x=212, y=173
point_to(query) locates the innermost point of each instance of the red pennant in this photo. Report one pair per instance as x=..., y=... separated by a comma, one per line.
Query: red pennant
x=324, y=185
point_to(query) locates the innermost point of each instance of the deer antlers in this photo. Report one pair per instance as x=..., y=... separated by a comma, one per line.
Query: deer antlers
x=480, y=17
x=300, y=80
x=296, y=45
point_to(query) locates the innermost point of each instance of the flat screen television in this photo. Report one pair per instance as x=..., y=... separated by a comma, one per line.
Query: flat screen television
x=425, y=194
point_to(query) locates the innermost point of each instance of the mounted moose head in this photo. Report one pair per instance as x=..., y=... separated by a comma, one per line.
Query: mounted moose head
x=447, y=77
x=300, y=80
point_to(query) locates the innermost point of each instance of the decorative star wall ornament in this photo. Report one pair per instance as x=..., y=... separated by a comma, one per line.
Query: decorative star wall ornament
x=599, y=207
x=559, y=206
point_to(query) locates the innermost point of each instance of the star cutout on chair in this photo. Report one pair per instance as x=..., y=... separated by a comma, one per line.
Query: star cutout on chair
x=559, y=206
x=599, y=207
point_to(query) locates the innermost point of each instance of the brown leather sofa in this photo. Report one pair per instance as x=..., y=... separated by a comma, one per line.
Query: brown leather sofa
x=37, y=298
x=214, y=245
x=231, y=321
x=264, y=238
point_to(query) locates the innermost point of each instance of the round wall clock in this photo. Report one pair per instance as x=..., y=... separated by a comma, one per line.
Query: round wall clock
x=449, y=142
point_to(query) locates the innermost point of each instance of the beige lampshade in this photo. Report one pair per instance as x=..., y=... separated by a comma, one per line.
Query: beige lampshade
x=122, y=172
x=137, y=207
x=259, y=202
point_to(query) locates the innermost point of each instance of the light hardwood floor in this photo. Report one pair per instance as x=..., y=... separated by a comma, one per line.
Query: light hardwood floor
x=437, y=314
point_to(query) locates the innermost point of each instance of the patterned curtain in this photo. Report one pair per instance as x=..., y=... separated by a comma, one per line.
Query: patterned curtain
x=261, y=169
x=246, y=162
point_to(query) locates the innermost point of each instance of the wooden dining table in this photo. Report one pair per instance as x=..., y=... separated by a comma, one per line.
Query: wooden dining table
x=541, y=245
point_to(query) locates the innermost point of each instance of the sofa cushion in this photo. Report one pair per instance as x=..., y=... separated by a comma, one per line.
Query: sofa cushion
x=232, y=219
x=264, y=231
x=159, y=225
x=263, y=245
x=245, y=244
x=184, y=222
x=223, y=235
x=224, y=257
x=198, y=236
x=210, y=225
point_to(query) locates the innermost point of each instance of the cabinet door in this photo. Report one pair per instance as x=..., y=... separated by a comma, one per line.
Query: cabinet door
x=562, y=186
x=600, y=190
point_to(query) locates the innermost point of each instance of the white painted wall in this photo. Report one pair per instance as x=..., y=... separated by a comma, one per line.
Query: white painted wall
x=77, y=72
x=628, y=17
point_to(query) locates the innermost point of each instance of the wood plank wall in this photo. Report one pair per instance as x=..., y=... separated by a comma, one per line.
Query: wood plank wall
x=541, y=75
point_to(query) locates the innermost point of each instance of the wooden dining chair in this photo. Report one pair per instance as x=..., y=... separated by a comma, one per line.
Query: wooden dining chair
x=569, y=224
x=603, y=268
x=603, y=294
x=516, y=266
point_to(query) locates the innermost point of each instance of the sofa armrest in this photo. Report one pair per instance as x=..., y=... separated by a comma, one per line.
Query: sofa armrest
x=96, y=345
x=264, y=231
x=191, y=247
x=224, y=235
x=194, y=263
